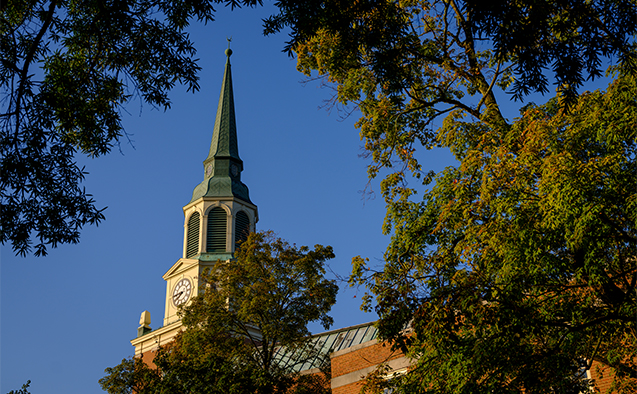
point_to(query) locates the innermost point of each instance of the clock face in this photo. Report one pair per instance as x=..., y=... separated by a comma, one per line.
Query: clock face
x=234, y=169
x=182, y=291
x=208, y=169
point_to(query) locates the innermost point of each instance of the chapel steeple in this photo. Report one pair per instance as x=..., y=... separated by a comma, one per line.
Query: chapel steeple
x=217, y=219
x=220, y=214
x=223, y=166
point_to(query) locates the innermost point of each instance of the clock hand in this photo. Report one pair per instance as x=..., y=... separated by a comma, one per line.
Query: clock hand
x=178, y=294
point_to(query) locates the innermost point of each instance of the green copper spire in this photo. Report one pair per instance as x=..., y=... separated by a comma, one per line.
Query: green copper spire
x=222, y=167
x=224, y=135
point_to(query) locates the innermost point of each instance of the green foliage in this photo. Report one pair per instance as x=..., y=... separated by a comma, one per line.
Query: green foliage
x=272, y=286
x=518, y=268
x=571, y=38
x=67, y=69
x=250, y=308
x=130, y=376
x=518, y=265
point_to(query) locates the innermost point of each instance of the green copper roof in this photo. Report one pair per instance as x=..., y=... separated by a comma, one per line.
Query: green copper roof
x=224, y=135
x=317, y=351
x=222, y=167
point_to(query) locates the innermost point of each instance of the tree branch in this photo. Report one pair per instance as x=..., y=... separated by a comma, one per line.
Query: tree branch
x=29, y=58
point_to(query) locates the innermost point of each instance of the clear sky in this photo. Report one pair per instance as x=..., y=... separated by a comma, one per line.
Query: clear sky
x=67, y=316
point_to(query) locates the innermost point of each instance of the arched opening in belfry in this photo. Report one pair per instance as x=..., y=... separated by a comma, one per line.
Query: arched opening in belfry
x=192, y=239
x=216, y=230
x=241, y=227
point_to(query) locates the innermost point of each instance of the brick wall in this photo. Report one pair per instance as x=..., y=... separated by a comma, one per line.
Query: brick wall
x=148, y=357
x=350, y=366
x=603, y=378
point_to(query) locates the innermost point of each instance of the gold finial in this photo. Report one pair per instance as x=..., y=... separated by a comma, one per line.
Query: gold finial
x=229, y=51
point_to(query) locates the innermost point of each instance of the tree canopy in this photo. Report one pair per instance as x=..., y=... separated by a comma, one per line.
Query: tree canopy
x=252, y=307
x=569, y=39
x=67, y=69
x=516, y=268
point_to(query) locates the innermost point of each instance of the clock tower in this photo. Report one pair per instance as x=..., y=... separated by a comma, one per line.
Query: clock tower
x=218, y=217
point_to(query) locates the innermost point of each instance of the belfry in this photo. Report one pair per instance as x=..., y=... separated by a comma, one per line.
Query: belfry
x=218, y=217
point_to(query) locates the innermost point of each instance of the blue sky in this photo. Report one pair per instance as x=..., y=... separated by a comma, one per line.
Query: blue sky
x=67, y=316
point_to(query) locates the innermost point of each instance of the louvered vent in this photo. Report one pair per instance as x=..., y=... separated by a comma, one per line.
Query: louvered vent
x=241, y=227
x=192, y=243
x=216, y=237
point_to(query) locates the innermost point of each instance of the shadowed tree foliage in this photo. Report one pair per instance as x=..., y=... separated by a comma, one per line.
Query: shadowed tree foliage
x=252, y=306
x=67, y=69
x=569, y=39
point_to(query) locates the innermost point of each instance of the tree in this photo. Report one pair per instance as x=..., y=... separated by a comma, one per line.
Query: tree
x=517, y=266
x=517, y=270
x=67, y=69
x=253, y=306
